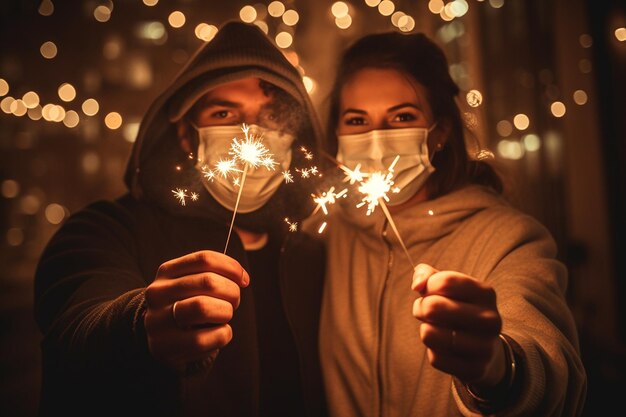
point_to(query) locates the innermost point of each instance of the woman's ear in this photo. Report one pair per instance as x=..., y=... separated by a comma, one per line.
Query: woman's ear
x=183, y=131
x=438, y=137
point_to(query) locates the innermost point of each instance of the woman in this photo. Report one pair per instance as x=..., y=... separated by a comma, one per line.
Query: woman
x=483, y=325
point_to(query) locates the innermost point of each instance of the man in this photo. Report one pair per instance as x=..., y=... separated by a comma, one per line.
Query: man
x=142, y=312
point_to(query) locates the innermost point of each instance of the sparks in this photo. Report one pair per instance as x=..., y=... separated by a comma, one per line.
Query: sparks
x=293, y=226
x=251, y=151
x=353, y=175
x=327, y=197
x=181, y=195
x=374, y=189
x=287, y=176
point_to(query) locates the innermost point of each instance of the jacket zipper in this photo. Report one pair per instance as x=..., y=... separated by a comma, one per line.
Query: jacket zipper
x=379, y=367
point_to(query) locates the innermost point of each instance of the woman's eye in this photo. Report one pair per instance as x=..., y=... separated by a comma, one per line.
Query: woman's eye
x=355, y=121
x=404, y=117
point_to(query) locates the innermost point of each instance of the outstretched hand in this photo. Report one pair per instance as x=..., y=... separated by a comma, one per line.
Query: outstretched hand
x=189, y=305
x=460, y=325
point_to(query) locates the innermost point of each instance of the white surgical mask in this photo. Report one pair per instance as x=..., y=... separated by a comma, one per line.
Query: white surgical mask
x=376, y=150
x=261, y=183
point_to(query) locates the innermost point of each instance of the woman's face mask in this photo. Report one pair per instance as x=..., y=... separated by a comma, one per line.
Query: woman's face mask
x=214, y=145
x=376, y=150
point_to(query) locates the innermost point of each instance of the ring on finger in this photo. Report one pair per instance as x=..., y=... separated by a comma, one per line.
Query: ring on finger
x=174, y=314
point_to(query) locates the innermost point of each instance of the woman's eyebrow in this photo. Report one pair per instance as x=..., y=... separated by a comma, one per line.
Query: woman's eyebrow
x=354, y=111
x=399, y=106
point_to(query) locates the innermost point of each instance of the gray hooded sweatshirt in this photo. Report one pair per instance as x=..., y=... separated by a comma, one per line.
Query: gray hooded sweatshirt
x=373, y=360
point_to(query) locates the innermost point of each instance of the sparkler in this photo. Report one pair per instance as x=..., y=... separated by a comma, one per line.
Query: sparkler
x=245, y=154
x=374, y=186
x=251, y=153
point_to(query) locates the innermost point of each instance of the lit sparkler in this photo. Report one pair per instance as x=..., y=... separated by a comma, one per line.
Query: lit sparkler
x=252, y=154
x=374, y=186
x=245, y=154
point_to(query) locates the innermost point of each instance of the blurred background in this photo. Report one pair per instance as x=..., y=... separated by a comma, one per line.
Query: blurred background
x=542, y=86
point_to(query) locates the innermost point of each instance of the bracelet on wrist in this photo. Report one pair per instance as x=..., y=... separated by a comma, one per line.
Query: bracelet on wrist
x=509, y=377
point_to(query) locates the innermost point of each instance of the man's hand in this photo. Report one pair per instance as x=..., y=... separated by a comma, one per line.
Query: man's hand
x=190, y=303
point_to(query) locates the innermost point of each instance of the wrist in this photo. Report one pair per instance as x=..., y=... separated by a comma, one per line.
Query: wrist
x=486, y=393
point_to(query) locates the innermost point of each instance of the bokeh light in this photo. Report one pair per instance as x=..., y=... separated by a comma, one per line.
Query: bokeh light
x=343, y=22
x=291, y=17
x=247, y=14
x=46, y=8
x=474, y=98
x=55, y=213
x=90, y=107
x=532, y=143
x=15, y=236
x=276, y=9
x=48, y=50
x=580, y=97
x=10, y=188
x=205, y=32
x=386, y=7
x=31, y=99
x=284, y=40
x=521, y=121
x=67, y=92
x=71, y=119
x=504, y=128
x=558, y=109
x=102, y=13
x=176, y=19
x=510, y=149
x=4, y=87
x=90, y=162
x=339, y=9
x=113, y=120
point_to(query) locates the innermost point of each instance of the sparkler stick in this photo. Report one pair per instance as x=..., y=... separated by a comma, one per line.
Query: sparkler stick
x=383, y=206
x=232, y=221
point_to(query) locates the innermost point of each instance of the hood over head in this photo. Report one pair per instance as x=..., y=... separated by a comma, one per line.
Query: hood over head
x=158, y=165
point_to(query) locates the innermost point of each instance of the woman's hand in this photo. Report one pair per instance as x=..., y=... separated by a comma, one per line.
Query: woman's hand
x=460, y=325
x=189, y=305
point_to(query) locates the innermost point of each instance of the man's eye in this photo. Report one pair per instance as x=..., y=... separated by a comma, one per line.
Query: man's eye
x=404, y=117
x=222, y=114
x=355, y=121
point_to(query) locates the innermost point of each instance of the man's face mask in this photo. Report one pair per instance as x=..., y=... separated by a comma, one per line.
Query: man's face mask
x=375, y=151
x=214, y=145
